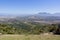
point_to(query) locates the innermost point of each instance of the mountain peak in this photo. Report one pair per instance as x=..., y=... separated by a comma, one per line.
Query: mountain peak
x=43, y=13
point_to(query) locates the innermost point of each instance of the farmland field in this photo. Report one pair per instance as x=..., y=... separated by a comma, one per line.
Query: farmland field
x=29, y=37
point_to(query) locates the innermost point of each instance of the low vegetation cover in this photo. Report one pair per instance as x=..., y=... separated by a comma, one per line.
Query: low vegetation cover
x=30, y=37
x=28, y=28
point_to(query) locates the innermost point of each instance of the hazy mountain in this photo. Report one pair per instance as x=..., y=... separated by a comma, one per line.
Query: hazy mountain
x=43, y=17
x=39, y=17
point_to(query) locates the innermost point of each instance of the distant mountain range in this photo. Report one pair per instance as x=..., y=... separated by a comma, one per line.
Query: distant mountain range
x=48, y=14
x=41, y=17
x=38, y=14
x=44, y=17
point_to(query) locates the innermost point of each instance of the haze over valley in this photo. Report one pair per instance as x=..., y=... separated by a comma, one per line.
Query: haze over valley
x=41, y=17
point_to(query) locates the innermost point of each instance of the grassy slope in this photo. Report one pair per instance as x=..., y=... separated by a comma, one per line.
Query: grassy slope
x=29, y=37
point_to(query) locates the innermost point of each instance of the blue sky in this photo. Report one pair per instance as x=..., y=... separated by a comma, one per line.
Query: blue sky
x=29, y=6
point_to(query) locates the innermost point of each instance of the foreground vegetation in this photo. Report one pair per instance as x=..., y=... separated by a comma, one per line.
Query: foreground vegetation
x=18, y=30
x=29, y=37
x=27, y=28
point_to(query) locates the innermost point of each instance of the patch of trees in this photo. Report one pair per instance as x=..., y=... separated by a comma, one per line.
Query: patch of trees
x=28, y=28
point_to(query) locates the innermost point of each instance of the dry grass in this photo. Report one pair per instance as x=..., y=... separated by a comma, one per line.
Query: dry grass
x=29, y=37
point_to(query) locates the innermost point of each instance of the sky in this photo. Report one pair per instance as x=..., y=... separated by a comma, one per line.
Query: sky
x=29, y=6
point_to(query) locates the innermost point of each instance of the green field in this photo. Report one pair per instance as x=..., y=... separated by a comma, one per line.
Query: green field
x=29, y=37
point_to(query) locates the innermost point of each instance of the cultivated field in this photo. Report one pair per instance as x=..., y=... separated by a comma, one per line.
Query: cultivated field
x=29, y=37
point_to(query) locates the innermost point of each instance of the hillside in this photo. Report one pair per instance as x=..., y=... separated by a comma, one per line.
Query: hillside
x=33, y=24
x=43, y=18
